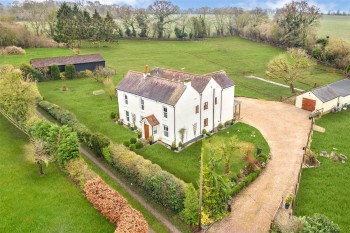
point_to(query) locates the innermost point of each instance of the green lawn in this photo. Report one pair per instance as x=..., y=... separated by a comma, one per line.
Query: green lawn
x=335, y=26
x=326, y=189
x=30, y=203
x=238, y=57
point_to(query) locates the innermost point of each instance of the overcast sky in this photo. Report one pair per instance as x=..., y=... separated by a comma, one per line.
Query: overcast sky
x=324, y=5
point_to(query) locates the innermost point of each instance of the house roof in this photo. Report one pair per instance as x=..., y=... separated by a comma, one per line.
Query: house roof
x=66, y=60
x=154, y=88
x=152, y=120
x=198, y=82
x=333, y=90
x=167, y=86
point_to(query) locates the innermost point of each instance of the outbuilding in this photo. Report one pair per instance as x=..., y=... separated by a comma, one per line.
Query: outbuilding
x=326, y=97
x=81, y=62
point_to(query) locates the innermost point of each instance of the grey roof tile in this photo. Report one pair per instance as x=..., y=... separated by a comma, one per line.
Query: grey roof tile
x=65, y=60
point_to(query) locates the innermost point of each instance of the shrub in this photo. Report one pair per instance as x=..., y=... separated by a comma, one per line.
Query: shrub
x=12, y=50
x=133, y=140
x=132, y=147
x=126, y=143
x=204, y=131
x=162, y=186
x=138, y=145
x=18, y=35
x=37, y=75
x=55, y=72
x=70, y=72
x=79, y=171
x=180, y=144
x=227, y=123
x=113, y=115
x=319, y=223
x=190, y=212
x=68, y=147
x=173, y=145
x=220, y=126
x=99, y=141
x=114, y=207
x=107, y=155
x=26, y=70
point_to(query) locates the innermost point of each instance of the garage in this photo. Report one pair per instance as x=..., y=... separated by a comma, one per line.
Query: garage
x=309, y=104
x=325, y=98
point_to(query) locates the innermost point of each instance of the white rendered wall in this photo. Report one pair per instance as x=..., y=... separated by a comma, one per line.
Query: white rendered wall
x=228, y=96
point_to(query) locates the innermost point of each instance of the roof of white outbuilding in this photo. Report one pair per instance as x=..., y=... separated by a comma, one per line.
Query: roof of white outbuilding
x=333, y=90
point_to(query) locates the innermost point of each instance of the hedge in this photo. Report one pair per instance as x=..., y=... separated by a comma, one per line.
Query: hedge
x=162, y=186
x=114, y=207
x=249, y=179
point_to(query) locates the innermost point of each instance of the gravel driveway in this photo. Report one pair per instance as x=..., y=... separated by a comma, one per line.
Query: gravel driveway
x=285, y=128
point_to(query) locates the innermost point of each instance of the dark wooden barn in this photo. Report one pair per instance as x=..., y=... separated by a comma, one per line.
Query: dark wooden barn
x=81, y=62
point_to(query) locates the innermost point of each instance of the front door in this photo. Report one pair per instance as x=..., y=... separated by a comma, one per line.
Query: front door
x=146, y=128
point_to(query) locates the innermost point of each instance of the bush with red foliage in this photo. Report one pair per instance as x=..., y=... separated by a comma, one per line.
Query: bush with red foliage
x=114, y=207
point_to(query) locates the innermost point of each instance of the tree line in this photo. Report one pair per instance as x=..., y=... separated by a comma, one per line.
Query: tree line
x=294, y=25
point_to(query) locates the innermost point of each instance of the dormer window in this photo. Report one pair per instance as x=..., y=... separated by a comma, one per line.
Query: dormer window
x=126, y=101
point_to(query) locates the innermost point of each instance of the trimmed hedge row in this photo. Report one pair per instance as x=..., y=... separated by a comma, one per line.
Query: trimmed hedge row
x=249, y=179
x=162, y=186
x=96, y=141
x=114, y=207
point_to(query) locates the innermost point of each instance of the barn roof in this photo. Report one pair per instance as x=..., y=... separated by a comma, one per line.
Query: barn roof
x=65, y=60
x=333, y=90
x=167, y=86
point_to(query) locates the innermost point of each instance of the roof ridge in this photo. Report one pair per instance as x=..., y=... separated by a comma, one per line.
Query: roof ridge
x=157, y=78
x=178, y=71
x=76, y=55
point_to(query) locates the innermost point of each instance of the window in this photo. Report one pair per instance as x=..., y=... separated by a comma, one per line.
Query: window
x=195, y=129
x=205, y=105
x=197, y=109
x=126, y=99
x=205, y=122
x=165, y=112
x=216, y=100
x=142, y=101
x=127, y=116
x=155, y=130
x=166, y=131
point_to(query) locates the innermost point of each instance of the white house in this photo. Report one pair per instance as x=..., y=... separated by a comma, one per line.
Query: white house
x=175, y=106
x=326, y=97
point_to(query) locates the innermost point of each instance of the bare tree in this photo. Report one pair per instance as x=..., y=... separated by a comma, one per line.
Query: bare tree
x=128, y=16
x=163, y=12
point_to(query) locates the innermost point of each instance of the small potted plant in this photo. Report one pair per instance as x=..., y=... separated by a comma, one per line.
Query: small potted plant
x=180, y=146
x=220, y=127
x=289, y=201
x=173, y=145
x=151, y=140
x=139, y=134
x=204, y=132
x=227, y=124
x=129, y=126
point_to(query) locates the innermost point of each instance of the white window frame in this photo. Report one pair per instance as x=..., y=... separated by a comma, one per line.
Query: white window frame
x=142, y=104
x=166, y=131
x=126, y=100
x=165, y=112
x=127, y=116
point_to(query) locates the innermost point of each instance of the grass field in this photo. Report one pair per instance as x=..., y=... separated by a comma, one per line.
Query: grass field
x=238, y=57
x=30, y=203
x=335, y=26
x=326, y=189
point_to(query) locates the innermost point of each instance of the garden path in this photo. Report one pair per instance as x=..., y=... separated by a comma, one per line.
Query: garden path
x=285, y=128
